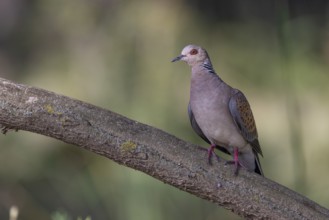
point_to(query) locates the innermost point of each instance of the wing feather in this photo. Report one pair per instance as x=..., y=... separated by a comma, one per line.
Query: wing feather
x=244, y=119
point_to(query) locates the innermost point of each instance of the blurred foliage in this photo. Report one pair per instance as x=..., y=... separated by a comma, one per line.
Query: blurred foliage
x=116, y=54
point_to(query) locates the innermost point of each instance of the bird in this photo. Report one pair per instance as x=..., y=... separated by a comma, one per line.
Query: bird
x=220, y=114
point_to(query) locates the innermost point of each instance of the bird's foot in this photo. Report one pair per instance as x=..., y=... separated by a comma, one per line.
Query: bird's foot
x=237, y=165
x=211, y=152
x=235, y=161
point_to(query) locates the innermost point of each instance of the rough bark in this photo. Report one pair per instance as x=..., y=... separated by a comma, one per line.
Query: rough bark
x=152, y=151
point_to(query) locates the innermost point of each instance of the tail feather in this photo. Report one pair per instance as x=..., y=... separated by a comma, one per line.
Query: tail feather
x=250, y=160
x=258, y=168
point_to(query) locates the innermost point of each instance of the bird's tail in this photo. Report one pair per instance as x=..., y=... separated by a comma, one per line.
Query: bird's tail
x=258, y=168
x=250, y=160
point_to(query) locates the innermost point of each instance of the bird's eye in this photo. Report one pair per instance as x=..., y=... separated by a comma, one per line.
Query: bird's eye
x=194, y=52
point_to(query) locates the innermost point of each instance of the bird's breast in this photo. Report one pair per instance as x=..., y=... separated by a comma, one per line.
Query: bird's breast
x=209, y=103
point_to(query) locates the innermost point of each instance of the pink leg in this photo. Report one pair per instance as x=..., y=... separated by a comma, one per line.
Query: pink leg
x=211, y=152
x=235, y=160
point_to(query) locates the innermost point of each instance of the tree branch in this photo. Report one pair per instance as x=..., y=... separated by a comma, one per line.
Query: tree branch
x=152, y=151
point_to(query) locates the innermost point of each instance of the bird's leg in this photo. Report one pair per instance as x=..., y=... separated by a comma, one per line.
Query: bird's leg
x=211, y=152
x=235, y=160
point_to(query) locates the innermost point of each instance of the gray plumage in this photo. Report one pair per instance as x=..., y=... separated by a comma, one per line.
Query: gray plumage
x=220, y=114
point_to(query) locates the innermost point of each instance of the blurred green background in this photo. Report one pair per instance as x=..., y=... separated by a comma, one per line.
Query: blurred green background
x=116, y=55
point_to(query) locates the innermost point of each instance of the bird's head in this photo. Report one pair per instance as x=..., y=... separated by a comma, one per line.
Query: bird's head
x=192, y=55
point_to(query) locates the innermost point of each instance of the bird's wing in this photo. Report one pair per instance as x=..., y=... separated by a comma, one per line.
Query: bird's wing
x=244, y=119
x=198, y=130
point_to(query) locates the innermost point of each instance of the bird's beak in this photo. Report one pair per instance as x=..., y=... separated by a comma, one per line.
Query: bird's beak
x=178, y=58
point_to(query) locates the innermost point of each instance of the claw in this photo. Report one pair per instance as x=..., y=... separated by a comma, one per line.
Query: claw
x=235, y=161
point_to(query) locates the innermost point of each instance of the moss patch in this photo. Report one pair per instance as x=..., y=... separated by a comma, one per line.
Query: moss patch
x=128, y=146
x=51, y=110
